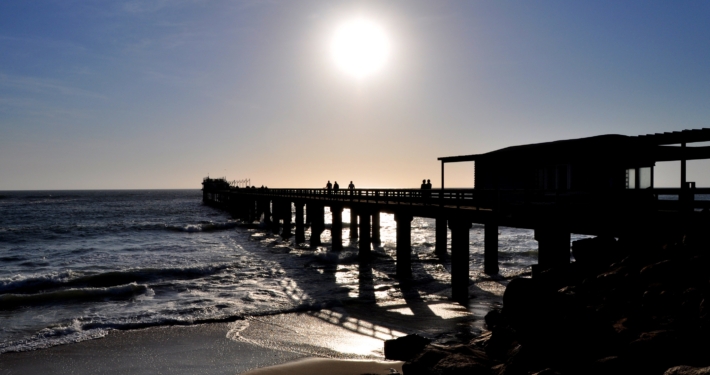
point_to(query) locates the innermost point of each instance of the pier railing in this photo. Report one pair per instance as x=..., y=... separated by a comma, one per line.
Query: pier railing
x=662, y=199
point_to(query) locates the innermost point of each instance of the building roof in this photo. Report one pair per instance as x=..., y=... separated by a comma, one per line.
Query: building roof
x=610, y=147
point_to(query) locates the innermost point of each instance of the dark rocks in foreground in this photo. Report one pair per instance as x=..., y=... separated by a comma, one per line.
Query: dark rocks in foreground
x=639, y=309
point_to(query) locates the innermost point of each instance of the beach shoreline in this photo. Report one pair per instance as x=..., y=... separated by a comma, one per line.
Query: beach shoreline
x=353, y=332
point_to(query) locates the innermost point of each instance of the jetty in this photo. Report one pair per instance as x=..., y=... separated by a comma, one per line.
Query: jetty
x=600, y=186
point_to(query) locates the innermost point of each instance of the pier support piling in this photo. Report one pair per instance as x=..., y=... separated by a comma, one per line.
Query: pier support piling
x=275, y=217
x=353, y=225
x=441, y=232
x=300, y=227
x=364, y=245
x=459, y=259
x=490, y=255
x=376, y=228
x=286, y=214
x=266, y=210
x=336, y=231
x=553, y=247
x=316, y=212
x=404, y=245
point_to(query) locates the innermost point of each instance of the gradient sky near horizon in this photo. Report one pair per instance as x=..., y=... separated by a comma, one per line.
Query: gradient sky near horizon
x=159, y=94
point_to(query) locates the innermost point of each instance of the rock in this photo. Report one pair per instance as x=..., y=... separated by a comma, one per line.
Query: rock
x=493, y=319
x=405, y=348
x=455, y=360
x=595, y=252
x=424, y=362
x=687, y=370
x=547, y=371
x=612, y=365
x=456, y=364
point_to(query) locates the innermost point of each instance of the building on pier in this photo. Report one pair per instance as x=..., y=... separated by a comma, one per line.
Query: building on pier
x=605, y=162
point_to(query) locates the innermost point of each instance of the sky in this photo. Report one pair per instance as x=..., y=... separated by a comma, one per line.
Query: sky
x=159, y=94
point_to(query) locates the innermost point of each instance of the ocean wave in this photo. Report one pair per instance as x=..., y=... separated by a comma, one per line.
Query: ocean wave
x=88, y=328
x=12, y=301
x=202, y=227
x=12, y=258
x=19, y=233
x=71, y=279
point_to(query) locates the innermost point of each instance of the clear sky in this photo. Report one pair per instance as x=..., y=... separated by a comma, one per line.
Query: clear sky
x=158, y=93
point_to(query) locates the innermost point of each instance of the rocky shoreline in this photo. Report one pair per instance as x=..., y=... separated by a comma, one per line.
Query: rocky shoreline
x=623, y=307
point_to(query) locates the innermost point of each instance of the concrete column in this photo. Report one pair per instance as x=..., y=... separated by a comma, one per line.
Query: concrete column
x=459, y=259
x=336, y=231
x=286, y=214
x=300, y=227
x=275, y=216
x=364, y=245
x=441, y=231
x=266, y=209
x=376, y=228
x=490, y=255
x=404, y=245
x=316, y=212
x=553, y=247
x=683, y=174
x=353, y=224
x=253, y=210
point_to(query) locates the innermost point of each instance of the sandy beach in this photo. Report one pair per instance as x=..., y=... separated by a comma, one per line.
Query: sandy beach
x=305, y=342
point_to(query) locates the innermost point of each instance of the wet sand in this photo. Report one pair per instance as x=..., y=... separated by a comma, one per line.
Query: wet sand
x=201, y=349
x=350, y=332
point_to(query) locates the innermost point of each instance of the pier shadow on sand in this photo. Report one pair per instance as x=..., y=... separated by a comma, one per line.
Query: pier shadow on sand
x=369, y=304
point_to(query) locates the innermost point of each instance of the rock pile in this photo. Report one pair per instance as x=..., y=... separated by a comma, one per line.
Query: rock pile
x=624, y=307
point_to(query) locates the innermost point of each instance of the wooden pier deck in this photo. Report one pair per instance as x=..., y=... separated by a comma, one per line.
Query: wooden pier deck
x=553, y=215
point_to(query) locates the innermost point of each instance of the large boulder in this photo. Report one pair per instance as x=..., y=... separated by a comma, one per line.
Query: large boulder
x=687, y=370
x=406, y=347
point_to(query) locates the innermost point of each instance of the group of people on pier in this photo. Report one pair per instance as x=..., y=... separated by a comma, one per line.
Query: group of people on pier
x=334, y=188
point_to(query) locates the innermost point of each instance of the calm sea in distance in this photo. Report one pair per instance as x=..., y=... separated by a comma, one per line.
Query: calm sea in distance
x=75, y=265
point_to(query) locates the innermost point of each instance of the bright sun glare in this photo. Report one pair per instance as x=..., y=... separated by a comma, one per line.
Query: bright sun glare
x=360, y=47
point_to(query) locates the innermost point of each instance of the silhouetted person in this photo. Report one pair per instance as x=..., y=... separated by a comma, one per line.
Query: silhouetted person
x=329, y=187
x=426, y=186
x=336, y=187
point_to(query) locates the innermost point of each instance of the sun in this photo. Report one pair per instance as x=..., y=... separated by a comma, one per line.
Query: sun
x=360, y=47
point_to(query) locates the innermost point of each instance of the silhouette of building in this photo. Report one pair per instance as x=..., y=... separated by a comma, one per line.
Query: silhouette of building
x=595, y=163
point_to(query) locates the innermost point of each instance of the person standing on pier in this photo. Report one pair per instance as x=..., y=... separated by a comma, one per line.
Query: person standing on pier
x=329, y=187
x=336, y=187
x=351, y=187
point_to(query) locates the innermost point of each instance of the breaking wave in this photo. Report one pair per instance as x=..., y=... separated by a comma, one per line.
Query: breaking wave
x=12, y=301
x=71, y=279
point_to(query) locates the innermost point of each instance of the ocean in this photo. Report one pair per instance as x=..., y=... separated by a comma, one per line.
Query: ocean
x=75, y=265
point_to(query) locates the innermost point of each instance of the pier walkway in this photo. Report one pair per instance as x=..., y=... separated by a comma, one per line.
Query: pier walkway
x=552, y=215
